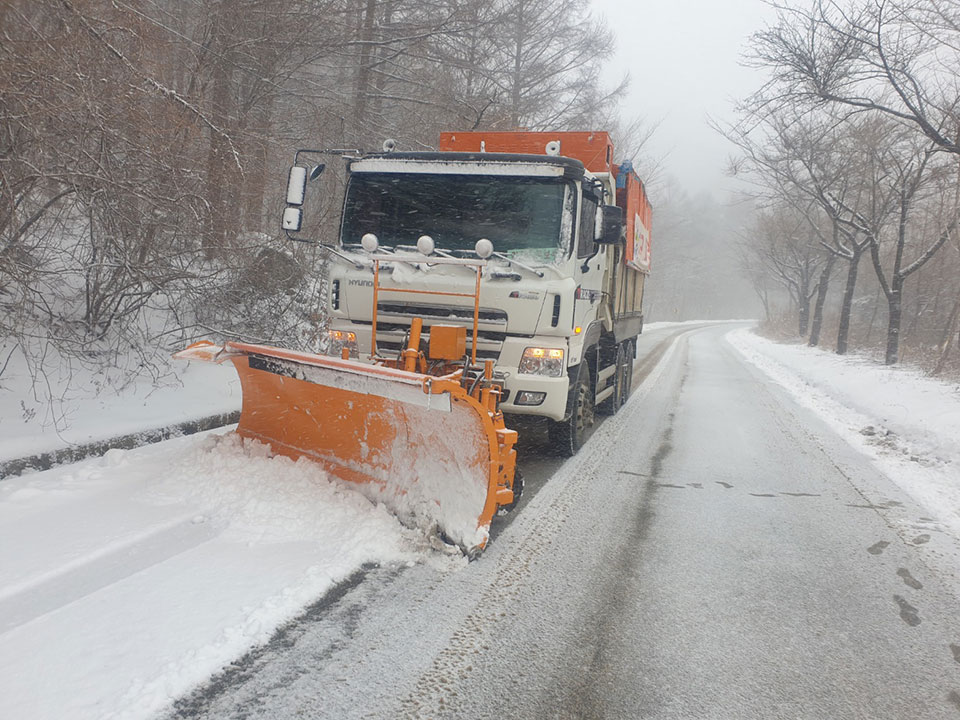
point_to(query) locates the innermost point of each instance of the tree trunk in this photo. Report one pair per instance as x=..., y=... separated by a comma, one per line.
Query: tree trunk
x=895, y=310
x=364, y=68
x=846, y=305
x=258, y=153
x=803, y=317
x=873, y=314
x=821, y=299
x=218, y=152
x=517, y=74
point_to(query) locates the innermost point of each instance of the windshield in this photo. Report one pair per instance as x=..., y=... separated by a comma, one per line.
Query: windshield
x=520, y=215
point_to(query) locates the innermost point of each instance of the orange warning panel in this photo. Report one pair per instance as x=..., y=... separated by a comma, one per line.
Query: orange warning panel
x=593, y=149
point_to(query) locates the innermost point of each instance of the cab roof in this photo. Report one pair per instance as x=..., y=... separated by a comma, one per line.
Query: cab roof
x=568, y=167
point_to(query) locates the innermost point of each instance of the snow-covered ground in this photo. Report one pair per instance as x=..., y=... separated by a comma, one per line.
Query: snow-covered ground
x=907, y=423
x=128, y=579
x=662, y=325
x=80, y=406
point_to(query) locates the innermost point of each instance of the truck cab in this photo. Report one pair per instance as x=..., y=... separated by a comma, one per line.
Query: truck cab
x=560, y=302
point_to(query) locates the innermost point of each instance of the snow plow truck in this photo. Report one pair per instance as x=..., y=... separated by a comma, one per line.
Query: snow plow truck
x=495, y=281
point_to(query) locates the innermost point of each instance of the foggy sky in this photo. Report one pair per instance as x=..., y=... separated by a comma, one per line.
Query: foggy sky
x=684, y=61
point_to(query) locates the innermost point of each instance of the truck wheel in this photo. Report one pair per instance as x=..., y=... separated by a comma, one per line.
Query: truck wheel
x=568, y=436
x=621, y=381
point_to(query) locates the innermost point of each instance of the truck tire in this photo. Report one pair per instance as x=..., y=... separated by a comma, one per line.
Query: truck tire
x=621, y=380
x=568, y=436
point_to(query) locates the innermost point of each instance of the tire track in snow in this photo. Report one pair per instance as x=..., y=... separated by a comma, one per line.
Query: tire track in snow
x=586, y=696
x=542, y=457
x=91, y=573
x=541, y=525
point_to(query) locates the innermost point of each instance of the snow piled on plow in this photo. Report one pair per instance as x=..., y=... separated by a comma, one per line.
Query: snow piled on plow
x=438, y=473
x=127, y=580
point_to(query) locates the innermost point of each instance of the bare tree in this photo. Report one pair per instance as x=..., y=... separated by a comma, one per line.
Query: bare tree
x=789, y=250
x=895, y=57
x=815, y=166
x=860, y=115
x=530, y=63
x=140, y=140
x=910, y=173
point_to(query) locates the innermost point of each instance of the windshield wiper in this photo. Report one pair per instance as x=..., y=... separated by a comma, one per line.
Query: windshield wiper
x=510, y=276
x=501, y=256
x=511, y=261
x=330, y=249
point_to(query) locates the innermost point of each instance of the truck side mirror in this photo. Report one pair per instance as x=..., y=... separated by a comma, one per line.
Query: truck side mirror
x=297, y=185
x=292, y=219
x=611, y=225
x=296, y=192
x=300, y=175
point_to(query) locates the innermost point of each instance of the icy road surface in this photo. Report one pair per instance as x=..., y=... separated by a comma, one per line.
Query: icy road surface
x=716, y=551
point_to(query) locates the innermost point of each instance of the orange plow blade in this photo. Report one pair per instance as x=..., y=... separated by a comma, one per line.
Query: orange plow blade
x=421, y=445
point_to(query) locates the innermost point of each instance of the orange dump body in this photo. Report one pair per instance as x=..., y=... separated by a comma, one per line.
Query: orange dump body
x=432, y=453
x=593, y=149
x=632, y=197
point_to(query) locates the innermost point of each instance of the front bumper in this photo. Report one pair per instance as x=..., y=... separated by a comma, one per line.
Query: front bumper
x=554, y=404
x=555, y=389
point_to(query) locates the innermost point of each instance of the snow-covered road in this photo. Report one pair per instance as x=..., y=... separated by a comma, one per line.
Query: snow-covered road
x=717, y=551
x=126, y=580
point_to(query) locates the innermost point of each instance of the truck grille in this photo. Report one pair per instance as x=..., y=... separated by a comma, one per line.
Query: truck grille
x=392, y=344
x=394, y=321
x=448, y=314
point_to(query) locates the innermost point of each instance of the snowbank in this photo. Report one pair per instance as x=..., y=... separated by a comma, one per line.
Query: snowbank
x=127, y=580
x=78, y=406
x=907, y=423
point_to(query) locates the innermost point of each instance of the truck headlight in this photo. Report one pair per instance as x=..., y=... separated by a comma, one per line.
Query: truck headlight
x=337, y=340
x=542, y=361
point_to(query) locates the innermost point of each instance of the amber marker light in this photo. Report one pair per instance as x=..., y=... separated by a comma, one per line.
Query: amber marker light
x=342, y=341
